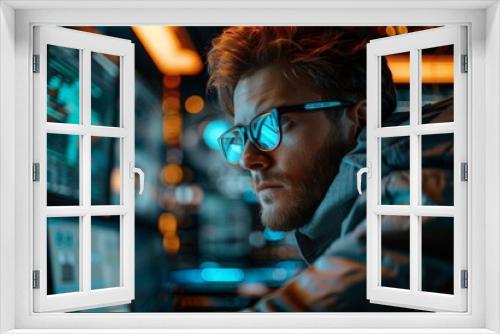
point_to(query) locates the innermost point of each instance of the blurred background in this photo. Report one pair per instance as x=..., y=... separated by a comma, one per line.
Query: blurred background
x=199, y=243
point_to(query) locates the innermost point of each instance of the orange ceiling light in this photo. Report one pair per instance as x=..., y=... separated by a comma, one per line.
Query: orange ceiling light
x=436, y=69
x=170, y=48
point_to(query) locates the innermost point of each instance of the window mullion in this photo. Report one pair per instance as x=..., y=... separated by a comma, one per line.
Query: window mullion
x=85, y=244
x=414, y=170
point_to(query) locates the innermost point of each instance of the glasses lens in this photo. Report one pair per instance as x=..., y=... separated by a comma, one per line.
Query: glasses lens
x=265, y=131
x=232, y=144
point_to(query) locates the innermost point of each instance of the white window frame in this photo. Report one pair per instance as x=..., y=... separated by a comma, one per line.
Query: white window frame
x=16, y=214
x=85, y=43
x=413, y=43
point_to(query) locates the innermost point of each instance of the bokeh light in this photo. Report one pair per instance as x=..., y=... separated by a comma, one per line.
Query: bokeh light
x=172, y=174
x=194, y=104
x=171, y=81
x=212, y=131
x=167, y=224
x=171, y=244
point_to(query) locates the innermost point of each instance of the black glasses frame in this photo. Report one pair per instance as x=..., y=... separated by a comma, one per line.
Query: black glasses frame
x=245, y=131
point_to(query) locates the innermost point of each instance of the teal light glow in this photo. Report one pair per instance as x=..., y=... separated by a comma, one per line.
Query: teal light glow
x=271, y=235
x=319, y=105
x=212, y=131
x=222, y=275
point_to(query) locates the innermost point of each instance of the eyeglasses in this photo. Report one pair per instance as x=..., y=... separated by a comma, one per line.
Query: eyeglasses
x=264, y=130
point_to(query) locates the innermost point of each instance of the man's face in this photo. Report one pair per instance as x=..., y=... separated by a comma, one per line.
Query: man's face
x=290, y=181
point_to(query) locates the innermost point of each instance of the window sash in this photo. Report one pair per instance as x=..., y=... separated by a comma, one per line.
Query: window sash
x=86, y=297
x=412, y=42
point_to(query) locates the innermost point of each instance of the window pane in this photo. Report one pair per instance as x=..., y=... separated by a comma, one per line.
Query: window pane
x=399, y=65
x=437, y=84
x=105, y=234
x=63, y=169
x=63, y=84
x=63, y=260
x=437, y=254
x=395, y=169
x=437, y=169
x=105, y=89
x=105, y=170
x=395, y=251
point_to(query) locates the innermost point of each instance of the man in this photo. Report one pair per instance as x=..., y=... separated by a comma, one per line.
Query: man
x=297, y=96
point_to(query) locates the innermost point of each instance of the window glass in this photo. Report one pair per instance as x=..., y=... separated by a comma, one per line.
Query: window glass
x=105, y=89
x=437, y=239
x=437, y=169
x=63, y=84
x=395, y=170
x=437, y=76
x=105, y=250
x=395, y=236
x=63, y=249
x=105, y=171
x=63, y=169
x=399, y=65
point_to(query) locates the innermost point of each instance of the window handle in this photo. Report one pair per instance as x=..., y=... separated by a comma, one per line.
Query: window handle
x=359, y=175
x=135, y=170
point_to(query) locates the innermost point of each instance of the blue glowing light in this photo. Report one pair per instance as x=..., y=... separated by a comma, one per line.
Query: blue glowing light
x=210, y=275
x=222, y=275
x=212, y=131
x=290, y=265
x=271, y=235
x=249, y=196
x=190, y=276
x=210, y=264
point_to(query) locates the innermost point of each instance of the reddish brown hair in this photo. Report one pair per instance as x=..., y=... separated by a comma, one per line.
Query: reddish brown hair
x=333, y=58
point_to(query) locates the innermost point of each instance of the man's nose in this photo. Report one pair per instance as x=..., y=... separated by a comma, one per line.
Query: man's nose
x=253, y=158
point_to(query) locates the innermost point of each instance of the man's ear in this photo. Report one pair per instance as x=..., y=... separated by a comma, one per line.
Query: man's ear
x=357, y=114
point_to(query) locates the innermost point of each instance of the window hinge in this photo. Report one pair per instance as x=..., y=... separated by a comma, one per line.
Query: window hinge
x=36, y=172
x=464, y=171
x=36, y=279
x=465, y=66
x=36, y=63
x=465, y=279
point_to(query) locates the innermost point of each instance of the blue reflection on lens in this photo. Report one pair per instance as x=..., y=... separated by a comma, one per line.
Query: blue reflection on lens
x=266, y=131
x=234, y=152
x=212, y=131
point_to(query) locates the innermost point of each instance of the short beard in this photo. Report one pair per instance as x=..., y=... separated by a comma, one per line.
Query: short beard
x=309, y=192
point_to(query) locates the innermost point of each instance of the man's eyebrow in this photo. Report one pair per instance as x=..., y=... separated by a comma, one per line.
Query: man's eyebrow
x=259, y=112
